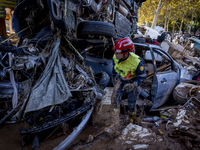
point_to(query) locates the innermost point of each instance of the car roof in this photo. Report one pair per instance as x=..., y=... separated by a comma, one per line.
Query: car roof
x=147, y=45
x=154, y=46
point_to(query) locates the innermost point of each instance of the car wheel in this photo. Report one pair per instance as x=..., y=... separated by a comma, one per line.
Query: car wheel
x=102, y=79
x=139, y=40
x=185, y=90
x=165, y=36
x=56, y=13
x=98, y=28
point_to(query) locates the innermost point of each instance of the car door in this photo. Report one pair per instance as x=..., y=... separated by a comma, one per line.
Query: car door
x=166, y=76
x=99, y=64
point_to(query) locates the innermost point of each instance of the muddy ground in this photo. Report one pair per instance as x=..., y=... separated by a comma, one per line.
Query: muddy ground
x=11, y=139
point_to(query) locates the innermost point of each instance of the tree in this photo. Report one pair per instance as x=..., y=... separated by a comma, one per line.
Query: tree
x=156, y=12
x=146, y=13
x=175, y=14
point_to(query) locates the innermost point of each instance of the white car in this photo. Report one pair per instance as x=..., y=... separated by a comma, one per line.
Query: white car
x=158, y=33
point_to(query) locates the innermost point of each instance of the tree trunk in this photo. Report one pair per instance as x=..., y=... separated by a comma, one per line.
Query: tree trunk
x=191, y=21
x=10, y=21
x=166, y=18
x=167, y=25
x=195, y=29
x=156, y=14
x=173, y=29
x=180, y=29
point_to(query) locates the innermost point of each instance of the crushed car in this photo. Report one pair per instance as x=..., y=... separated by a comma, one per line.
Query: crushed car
x=51, y=88
x=80, y=18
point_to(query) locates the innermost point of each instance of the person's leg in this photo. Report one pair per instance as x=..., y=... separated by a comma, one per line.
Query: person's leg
x=115, y=107
x=132, y=98
x=117, y=93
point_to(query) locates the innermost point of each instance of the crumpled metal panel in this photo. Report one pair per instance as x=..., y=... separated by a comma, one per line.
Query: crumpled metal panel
x=27, y=62
x=163, y=86
x=64, y=144
x=52, y=88
x=122, y=24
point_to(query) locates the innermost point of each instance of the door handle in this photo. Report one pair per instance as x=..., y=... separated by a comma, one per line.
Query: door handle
x=103, y=63
x=163, y=80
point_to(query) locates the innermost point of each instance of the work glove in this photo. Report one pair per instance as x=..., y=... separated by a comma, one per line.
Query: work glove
x=128, y=87
x=115, y=111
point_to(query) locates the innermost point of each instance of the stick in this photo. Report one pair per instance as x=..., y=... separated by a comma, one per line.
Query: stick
x=74, y=48
x=150, y=74
x=6, y=116
x=95, y=81
x=14, y=35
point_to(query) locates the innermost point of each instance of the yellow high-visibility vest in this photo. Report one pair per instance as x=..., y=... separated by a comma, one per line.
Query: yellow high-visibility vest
x=127, y=66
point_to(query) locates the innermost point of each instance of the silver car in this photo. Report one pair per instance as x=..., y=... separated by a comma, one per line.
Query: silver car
x=163, y=72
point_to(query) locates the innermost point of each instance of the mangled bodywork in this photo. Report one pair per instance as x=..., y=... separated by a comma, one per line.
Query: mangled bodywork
x=69, y=16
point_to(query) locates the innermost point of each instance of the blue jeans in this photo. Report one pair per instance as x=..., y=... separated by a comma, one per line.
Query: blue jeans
x=117, y=96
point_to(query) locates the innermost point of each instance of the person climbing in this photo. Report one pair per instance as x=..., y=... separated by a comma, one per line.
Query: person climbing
x=130, y=69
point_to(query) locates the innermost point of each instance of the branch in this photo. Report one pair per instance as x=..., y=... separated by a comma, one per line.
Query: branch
x=177, y=26
x=163, y=3
x=153, y=7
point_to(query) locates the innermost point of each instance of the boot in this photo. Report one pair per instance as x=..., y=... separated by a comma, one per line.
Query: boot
x=132, y=117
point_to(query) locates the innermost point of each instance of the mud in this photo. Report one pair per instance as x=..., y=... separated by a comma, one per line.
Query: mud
x=90, y=139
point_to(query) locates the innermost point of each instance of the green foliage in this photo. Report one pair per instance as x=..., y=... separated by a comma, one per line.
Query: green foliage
x=177, y=11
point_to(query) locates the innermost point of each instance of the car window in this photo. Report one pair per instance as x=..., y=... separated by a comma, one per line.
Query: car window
x=163, y=62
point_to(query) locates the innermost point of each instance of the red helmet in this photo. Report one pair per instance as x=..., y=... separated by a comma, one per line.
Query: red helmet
x=123, y=46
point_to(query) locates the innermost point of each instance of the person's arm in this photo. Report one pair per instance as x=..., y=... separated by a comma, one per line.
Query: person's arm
x=140, y=73
x=113, y=70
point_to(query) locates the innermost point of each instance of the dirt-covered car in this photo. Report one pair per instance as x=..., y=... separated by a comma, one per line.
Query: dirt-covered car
x=79, y=18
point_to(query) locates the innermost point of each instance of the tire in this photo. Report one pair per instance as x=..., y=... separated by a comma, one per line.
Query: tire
x=102, y=79
x=95, y=28
x=164, y=36
x=60, y=23
x=182, y=98
x=139, y=40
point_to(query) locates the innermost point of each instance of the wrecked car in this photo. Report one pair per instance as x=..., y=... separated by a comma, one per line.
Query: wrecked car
x=163, y=72
x=48, y=84
x=153, y=34
x=80, y=18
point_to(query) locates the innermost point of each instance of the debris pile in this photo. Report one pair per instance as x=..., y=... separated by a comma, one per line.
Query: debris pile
x=184, y=56
x=138, y=136
x=178, y=126
x=44, y=84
